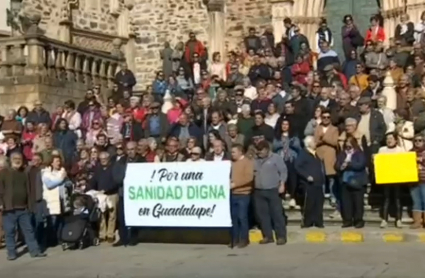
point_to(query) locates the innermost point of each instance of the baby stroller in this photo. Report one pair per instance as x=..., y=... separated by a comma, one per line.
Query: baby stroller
x=78, y=231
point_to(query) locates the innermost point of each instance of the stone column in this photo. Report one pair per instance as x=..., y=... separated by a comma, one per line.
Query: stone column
x=114, y=8
x=280, y=10
x=35, y=60
x=216, y=27
x=130, y=47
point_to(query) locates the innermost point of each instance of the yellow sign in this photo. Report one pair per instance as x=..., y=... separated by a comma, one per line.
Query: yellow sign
x=395, y=168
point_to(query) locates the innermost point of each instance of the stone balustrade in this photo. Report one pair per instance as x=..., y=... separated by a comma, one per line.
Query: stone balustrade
x=35, y=67
x=36, y=55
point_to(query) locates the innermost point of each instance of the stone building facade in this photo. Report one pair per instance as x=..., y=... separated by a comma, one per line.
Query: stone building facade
x=143, y=26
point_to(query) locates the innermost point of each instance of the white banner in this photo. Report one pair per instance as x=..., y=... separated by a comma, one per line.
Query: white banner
x=183, y=194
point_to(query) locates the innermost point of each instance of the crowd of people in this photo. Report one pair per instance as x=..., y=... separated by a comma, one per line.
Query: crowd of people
x=296, y=124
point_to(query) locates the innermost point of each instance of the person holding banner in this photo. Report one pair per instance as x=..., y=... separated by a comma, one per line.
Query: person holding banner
x=391, y=140
x=242, y=181
x=107, y=178
x=270, y=177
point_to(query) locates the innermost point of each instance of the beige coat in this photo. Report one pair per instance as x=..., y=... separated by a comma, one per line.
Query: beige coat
x=327, y=143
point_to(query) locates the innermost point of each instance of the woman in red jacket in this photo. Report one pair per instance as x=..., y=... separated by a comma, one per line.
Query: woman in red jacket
x=375, y=33
x=300, y=70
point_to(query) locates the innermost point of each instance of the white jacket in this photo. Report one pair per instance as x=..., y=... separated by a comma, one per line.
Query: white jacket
x=52, y=182
x=103, y=202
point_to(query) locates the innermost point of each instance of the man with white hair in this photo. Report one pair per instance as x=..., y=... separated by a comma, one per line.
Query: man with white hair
x=245, y=121
x=355, y=93
x=108, y=178
x=10, y=126
x=311, y=173
x=15, y=205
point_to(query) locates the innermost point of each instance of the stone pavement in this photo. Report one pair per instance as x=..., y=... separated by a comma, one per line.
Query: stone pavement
x=297, y=260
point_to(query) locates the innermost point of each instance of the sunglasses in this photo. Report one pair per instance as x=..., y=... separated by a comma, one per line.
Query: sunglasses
x=95, y=123
x=195, y=154
x=419, y=140
x=316, y=86
x=326, y=117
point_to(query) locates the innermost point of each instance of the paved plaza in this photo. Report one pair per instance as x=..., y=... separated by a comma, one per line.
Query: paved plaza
x=398, y=260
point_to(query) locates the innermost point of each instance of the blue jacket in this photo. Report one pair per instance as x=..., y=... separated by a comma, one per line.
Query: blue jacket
x=66, y=141
x=39, y=117
x=293, y=150
x=354, y=174
x=194, y=130
x=159, y=87
x=307, y=165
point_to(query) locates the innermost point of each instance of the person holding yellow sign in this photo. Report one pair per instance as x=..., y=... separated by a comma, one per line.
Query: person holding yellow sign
x=391, y=140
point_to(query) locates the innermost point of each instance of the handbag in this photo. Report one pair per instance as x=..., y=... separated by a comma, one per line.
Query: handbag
x=352, y=180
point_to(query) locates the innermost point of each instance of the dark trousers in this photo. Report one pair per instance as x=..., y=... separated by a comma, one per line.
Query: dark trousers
x=395, y=192
x=52, y=230
x=270, y=213
x=292, y=181
x=313, y=206
x=38, y=223
x=239, y=206
x=22, y=218
x=352, y=204
x=126, y=233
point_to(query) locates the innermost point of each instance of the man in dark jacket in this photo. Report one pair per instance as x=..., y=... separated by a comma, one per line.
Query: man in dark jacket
x=344, y=111
x=262, y=102
x=125, y=79
x=36, y=191
x=84, y=105
x=185, y=129
x=261, y=131
x=107, y=178
x=219, y=153
x=39, y=115
x=260, y=70
x=126, y=233
x=15, y=204
x=103, y=145
x=156, y=123
x=252, y=41
x=311, y=172
x=131, y=130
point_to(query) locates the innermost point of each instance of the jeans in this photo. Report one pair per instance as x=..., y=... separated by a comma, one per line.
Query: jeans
x=23, y=218
x=52, y=231
x=269, y=209
x=239, y=210
x=418, y=197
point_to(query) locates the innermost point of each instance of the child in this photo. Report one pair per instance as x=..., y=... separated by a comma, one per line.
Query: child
x=80, y=206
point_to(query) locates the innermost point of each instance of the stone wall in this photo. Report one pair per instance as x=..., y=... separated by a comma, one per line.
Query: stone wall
x=158, y=21
x=242, y=14
x=93, y=15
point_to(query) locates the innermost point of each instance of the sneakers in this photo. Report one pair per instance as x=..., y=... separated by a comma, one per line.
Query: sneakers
x=384, y=224
x=398, y=224
x=292, y=204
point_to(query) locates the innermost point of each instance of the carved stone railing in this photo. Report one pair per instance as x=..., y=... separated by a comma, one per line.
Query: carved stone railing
x=40, y=56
